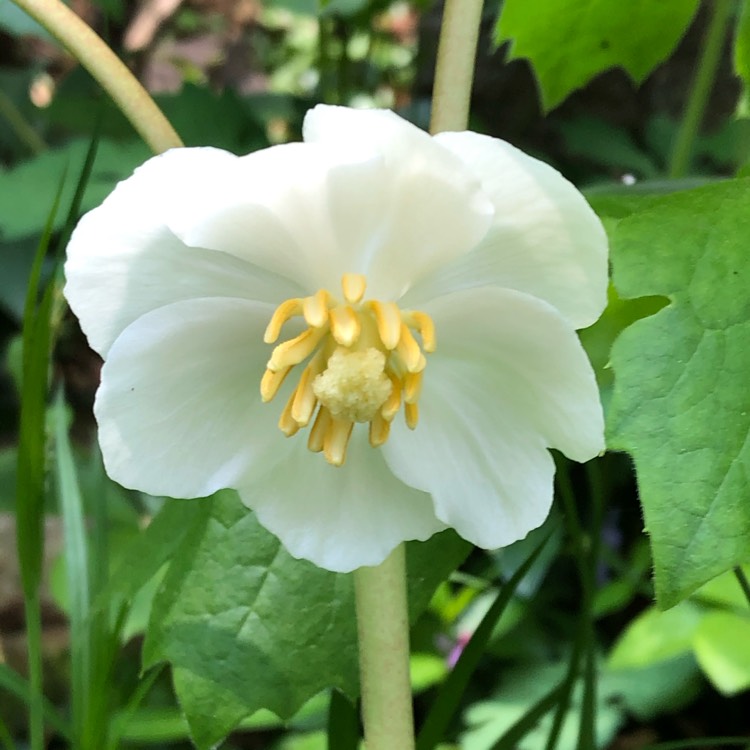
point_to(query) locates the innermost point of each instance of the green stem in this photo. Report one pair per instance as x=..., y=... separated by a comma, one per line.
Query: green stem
x=89, y=49
x=587, y=731
x=455, y=65
x=708, y=64
x=383, y=627
x=24, y=132
x=34, y=645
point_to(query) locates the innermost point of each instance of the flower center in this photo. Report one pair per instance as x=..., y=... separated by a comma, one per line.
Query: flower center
x=363, y=362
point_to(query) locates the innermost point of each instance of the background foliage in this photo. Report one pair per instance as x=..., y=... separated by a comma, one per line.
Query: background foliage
x=153, y=623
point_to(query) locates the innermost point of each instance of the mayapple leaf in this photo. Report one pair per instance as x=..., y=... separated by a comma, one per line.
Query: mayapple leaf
x=246, y=626
x=681, y=405
x=39, y=177
x=568, y=43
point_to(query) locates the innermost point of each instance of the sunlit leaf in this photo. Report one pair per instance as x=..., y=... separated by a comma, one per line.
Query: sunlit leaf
x=569, y=43
x=681, y=405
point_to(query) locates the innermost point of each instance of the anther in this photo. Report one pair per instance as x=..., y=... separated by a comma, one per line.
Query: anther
x=304, y=400
x=412, y=387
x=292, y=352
x=337, y=440
x=379, y=430
x=353, y=285
x=409, y=351
x=315, y=308
x=345, y=325
x=271, y=382
x=388, y=321
x=319, y=430
x=411, y=412
x=287, y=424
x=283, y=312
x=393, y=403
x=423, y=323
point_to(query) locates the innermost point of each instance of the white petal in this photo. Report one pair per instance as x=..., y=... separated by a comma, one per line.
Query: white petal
x=303, y=211
x=313, y=212
x=123, y=260
x=179, y=407
x=339, y=518
x=545, y=239
x=393, y=136
x=508, y=380
x=437, y=209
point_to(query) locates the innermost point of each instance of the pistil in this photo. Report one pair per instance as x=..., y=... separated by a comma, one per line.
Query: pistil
x=363, y=363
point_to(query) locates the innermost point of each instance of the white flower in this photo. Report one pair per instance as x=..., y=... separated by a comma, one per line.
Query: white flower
x=432, y=283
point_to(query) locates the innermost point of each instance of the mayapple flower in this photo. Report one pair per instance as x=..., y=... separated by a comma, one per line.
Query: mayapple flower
x=369, y=335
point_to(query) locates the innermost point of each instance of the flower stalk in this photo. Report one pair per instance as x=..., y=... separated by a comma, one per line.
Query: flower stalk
x=682, y=152
x=92, y=52
x=383, y=626
x=454, y=72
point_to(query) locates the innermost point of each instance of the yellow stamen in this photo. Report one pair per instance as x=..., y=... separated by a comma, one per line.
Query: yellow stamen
x=345, y=325
x=423, y=323
x=412, y=387
x=353, y=285
x=409, y=352
x=287, y=424
x=283, y=312
x=315, y=309
x=337, y=440
x=305, y=400
x=319, y=430
x=292, y=352
x=393, y=404
x=388, y=320
x=363, y=363
x=271, y=382
x=379, y=429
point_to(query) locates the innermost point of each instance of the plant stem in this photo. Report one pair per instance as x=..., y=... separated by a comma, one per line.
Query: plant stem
x=708, y=64
x=382, y=615
x=587, y=730
x=89, y=49
x=383, y=627
x=454, y=72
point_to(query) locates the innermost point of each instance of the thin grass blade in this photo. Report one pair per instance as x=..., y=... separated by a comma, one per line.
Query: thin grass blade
x=453, y=688
x=13, y=683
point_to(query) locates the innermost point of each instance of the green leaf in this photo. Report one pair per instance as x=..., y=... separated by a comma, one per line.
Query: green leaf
x=681, y=405
x=76, y=567
x=656, y=636
x=646, y=692
x=246, y=626
x=39, y=178
x=722, y=647
x=724, y=590
x=569, y=43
